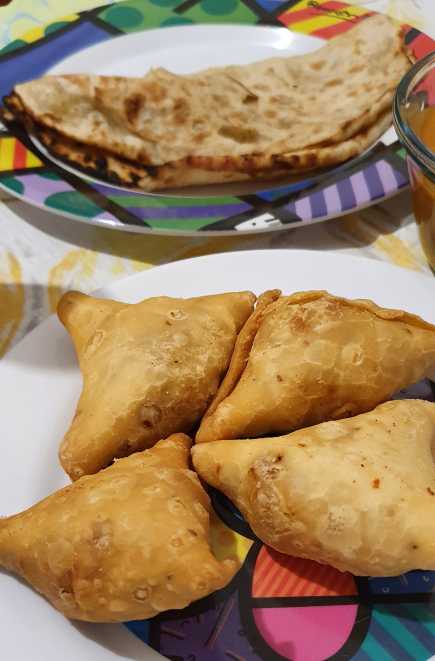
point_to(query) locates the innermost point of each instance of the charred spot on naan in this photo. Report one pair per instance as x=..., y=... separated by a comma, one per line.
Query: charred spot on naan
x=132, y=106
x=94, y=162
x=156, y=92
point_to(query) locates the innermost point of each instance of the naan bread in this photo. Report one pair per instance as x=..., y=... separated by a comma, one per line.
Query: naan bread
x=311, y=357
x=124, y=544
x=95, y=162
x=280, y=115
x=149, y=370
x=358, y=494
x=181, y=173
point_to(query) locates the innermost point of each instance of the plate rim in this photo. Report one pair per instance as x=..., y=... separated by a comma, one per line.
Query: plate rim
x=178, y=28
x=281, y=211
x=106, y=291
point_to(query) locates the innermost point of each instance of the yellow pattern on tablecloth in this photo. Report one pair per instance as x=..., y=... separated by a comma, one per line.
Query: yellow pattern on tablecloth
x=76, y=267
x=11, y=299
x=28, y=16
x=379, y=234
x=408, y=11
x=42, y=255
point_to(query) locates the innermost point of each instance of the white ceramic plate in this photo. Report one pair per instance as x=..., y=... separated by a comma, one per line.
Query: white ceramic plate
x=187, y=49
x=221, y=209
x=40, y=383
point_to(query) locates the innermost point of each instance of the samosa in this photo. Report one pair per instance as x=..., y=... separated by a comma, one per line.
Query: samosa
x=124, y=544
x=149, y=370
x=358, y=494
x=311, y=357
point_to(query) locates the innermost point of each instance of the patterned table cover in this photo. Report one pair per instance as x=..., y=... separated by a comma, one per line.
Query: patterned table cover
x=42, y=255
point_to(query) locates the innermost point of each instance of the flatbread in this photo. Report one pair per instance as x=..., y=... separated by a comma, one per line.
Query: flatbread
x=193, y=171
x=280, y=115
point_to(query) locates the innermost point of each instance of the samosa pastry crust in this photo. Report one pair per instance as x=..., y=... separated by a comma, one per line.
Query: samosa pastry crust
x=314, y=357
x=124, y=544
x=358, y=494
x=149, y=370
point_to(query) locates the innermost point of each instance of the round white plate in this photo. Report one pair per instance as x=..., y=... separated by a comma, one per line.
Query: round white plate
x=221, y=209
x=40, y=383
x=187, y=49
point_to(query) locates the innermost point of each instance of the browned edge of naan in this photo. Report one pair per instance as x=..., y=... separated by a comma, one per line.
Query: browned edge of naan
x=305, y=160
x=191, y=170
x=90, y=160
x=111, y=168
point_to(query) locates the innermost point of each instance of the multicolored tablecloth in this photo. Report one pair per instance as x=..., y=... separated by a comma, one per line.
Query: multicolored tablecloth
x=42, y=255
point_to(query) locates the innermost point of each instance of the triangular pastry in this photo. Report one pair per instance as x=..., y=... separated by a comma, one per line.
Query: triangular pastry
x=149, y=370
x=311, y=357
x=124, y=544
x=358, y=494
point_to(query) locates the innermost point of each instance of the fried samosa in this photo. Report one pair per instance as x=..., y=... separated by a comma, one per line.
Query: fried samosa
x=312, y=357
x=358, y=494
x=149, y=370
x=124, y=544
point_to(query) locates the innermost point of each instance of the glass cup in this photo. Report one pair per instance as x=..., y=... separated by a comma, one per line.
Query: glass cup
x=414, y=121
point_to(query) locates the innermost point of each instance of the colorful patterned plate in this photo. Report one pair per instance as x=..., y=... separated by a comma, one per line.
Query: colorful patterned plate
x=28, y=173
x=277, y=607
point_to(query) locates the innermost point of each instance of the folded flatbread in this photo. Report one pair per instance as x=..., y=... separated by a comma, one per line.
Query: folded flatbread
x=223, y=124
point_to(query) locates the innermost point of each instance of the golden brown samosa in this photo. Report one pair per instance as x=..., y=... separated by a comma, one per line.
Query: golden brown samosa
x=311, y=357
x=358, y=494
x=149, y=370
x=124, y=544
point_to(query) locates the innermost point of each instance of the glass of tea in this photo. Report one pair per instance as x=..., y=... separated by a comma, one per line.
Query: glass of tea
x=414, y=120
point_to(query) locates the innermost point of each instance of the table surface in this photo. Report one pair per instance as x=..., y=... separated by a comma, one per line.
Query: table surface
x=42, y=254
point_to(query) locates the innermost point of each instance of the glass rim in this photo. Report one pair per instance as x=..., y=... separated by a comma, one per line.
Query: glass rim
x=424, y=157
